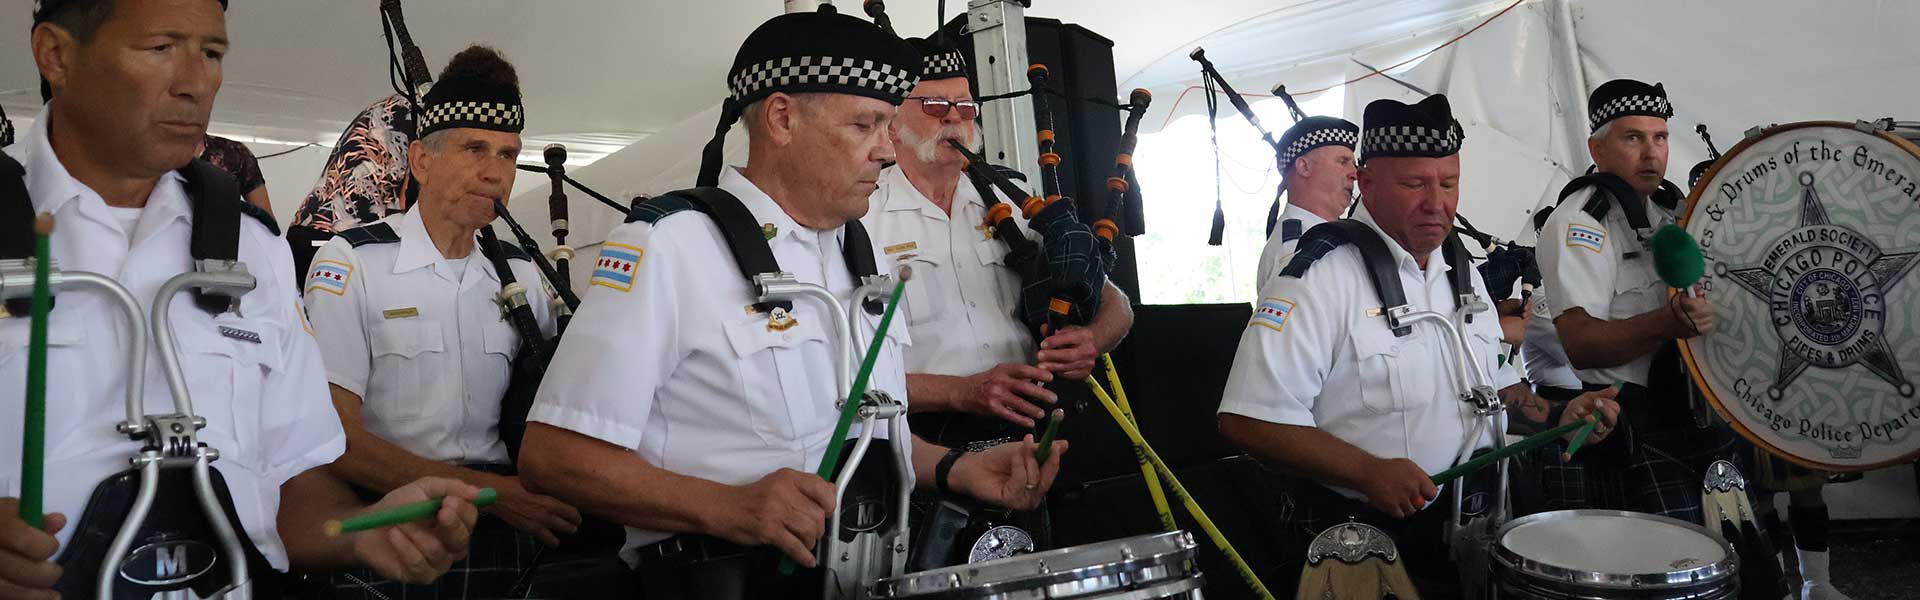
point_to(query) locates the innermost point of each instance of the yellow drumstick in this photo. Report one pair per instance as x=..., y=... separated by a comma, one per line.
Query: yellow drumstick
x=1193, y=508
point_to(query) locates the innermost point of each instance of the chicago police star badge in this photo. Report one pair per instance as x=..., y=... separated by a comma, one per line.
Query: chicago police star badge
x=1811, y=229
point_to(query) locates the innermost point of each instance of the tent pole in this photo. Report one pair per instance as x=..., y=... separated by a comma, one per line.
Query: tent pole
x=999, y=30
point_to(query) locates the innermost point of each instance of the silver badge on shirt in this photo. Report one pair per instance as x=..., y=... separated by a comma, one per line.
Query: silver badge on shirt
x=239, y=334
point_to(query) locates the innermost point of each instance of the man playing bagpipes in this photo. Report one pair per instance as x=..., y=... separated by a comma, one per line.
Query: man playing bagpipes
x=971, y=354
x=110, y=159
x=1333, y=386
x=684, y=405
x=974, y=372
x=417, y=343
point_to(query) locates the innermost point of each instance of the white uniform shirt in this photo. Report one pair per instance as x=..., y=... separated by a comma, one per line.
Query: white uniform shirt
x=1604, y=269
x=665, y=356
x=1318, y=354
x=1274, y=256
x=1547, y=362
x=265, y=403
x=962, y=293
x=421, y=339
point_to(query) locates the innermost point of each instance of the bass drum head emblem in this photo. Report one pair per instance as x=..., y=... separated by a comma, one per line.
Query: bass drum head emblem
x=1811, y=232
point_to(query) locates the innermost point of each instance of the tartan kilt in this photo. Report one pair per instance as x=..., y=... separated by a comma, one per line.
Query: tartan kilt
x=498, y=564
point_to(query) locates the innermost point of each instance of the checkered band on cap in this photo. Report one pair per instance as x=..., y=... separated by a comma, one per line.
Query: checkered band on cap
x=1410, y=140
x=1653, y=106
x=821, y=71
x=948, y=63
x=1315, y=139
x=480, y=115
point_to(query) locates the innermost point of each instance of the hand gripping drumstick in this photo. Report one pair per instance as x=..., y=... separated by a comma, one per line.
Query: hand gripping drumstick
x=1193, y=508
x=1532, y=441
x=33, y=436
x=830, y=464
x=402, y=514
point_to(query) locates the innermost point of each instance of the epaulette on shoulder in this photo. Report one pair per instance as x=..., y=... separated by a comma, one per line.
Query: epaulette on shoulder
x=1318, y=241
x=377, y=233
x=651, y=210
x=260, y=214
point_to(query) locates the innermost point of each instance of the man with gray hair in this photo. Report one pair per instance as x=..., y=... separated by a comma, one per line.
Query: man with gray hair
x=419, y=350
x=974, y=371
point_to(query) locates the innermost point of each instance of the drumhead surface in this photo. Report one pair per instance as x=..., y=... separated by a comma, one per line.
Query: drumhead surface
x=1811, y=235
x=1613, y=544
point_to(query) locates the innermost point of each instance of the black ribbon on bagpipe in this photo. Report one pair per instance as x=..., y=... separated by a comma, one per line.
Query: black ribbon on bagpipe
x=408, y=73
x=536, y=351
x=1215, y=85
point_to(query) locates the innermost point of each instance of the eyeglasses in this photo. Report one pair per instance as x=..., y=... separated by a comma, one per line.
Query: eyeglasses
x=938, y=107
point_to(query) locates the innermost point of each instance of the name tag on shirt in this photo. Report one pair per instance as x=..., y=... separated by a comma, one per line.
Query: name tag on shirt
x=400, y=313
x=903, y=247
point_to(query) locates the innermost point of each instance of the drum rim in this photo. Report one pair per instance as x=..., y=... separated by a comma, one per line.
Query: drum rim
x=1686, y=345
x=1183, y=550
x=1718, y=571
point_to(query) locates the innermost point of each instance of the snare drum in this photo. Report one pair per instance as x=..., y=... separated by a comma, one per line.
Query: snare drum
x=1149, y=566
x=1605, y=554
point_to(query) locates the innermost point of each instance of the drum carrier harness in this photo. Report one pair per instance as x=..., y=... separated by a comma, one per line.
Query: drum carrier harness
x=867, y=534
x=171, y=503
x=1472, y=527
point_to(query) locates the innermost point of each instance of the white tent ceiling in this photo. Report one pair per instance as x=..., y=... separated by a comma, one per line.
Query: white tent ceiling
x=300, y=69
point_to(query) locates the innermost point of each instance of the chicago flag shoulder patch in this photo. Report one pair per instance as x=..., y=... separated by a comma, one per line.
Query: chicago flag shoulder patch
x=1585, y=237
x=616, y=266
x=1272, y=313
x=330, y=276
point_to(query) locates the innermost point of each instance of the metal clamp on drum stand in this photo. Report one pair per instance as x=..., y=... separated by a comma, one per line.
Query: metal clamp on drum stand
x=1469, y=538
x=171, y=476
x=862, y=545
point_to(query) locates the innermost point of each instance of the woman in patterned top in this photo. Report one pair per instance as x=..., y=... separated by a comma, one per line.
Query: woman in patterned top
x=234, y=158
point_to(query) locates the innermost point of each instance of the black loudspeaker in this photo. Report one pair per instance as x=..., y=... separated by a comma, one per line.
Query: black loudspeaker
x=1087, y=133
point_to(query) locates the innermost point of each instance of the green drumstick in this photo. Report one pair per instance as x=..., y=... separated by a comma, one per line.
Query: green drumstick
x=1046, y=438
x=1532, y=441
x=1580, y=437
x=33, y=435
x=405, y=513
x=830, y=463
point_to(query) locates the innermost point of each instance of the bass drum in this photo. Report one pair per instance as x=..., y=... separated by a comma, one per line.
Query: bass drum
x=1811, y=232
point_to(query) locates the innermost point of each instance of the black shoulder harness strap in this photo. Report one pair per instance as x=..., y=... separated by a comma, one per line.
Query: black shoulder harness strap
x=746, y=241
x=377, y=233
x=215, y=242
x=1614, y=191
x=1322, y=239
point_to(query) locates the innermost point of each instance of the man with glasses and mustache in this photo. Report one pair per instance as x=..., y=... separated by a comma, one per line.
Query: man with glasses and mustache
x=972, y=362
